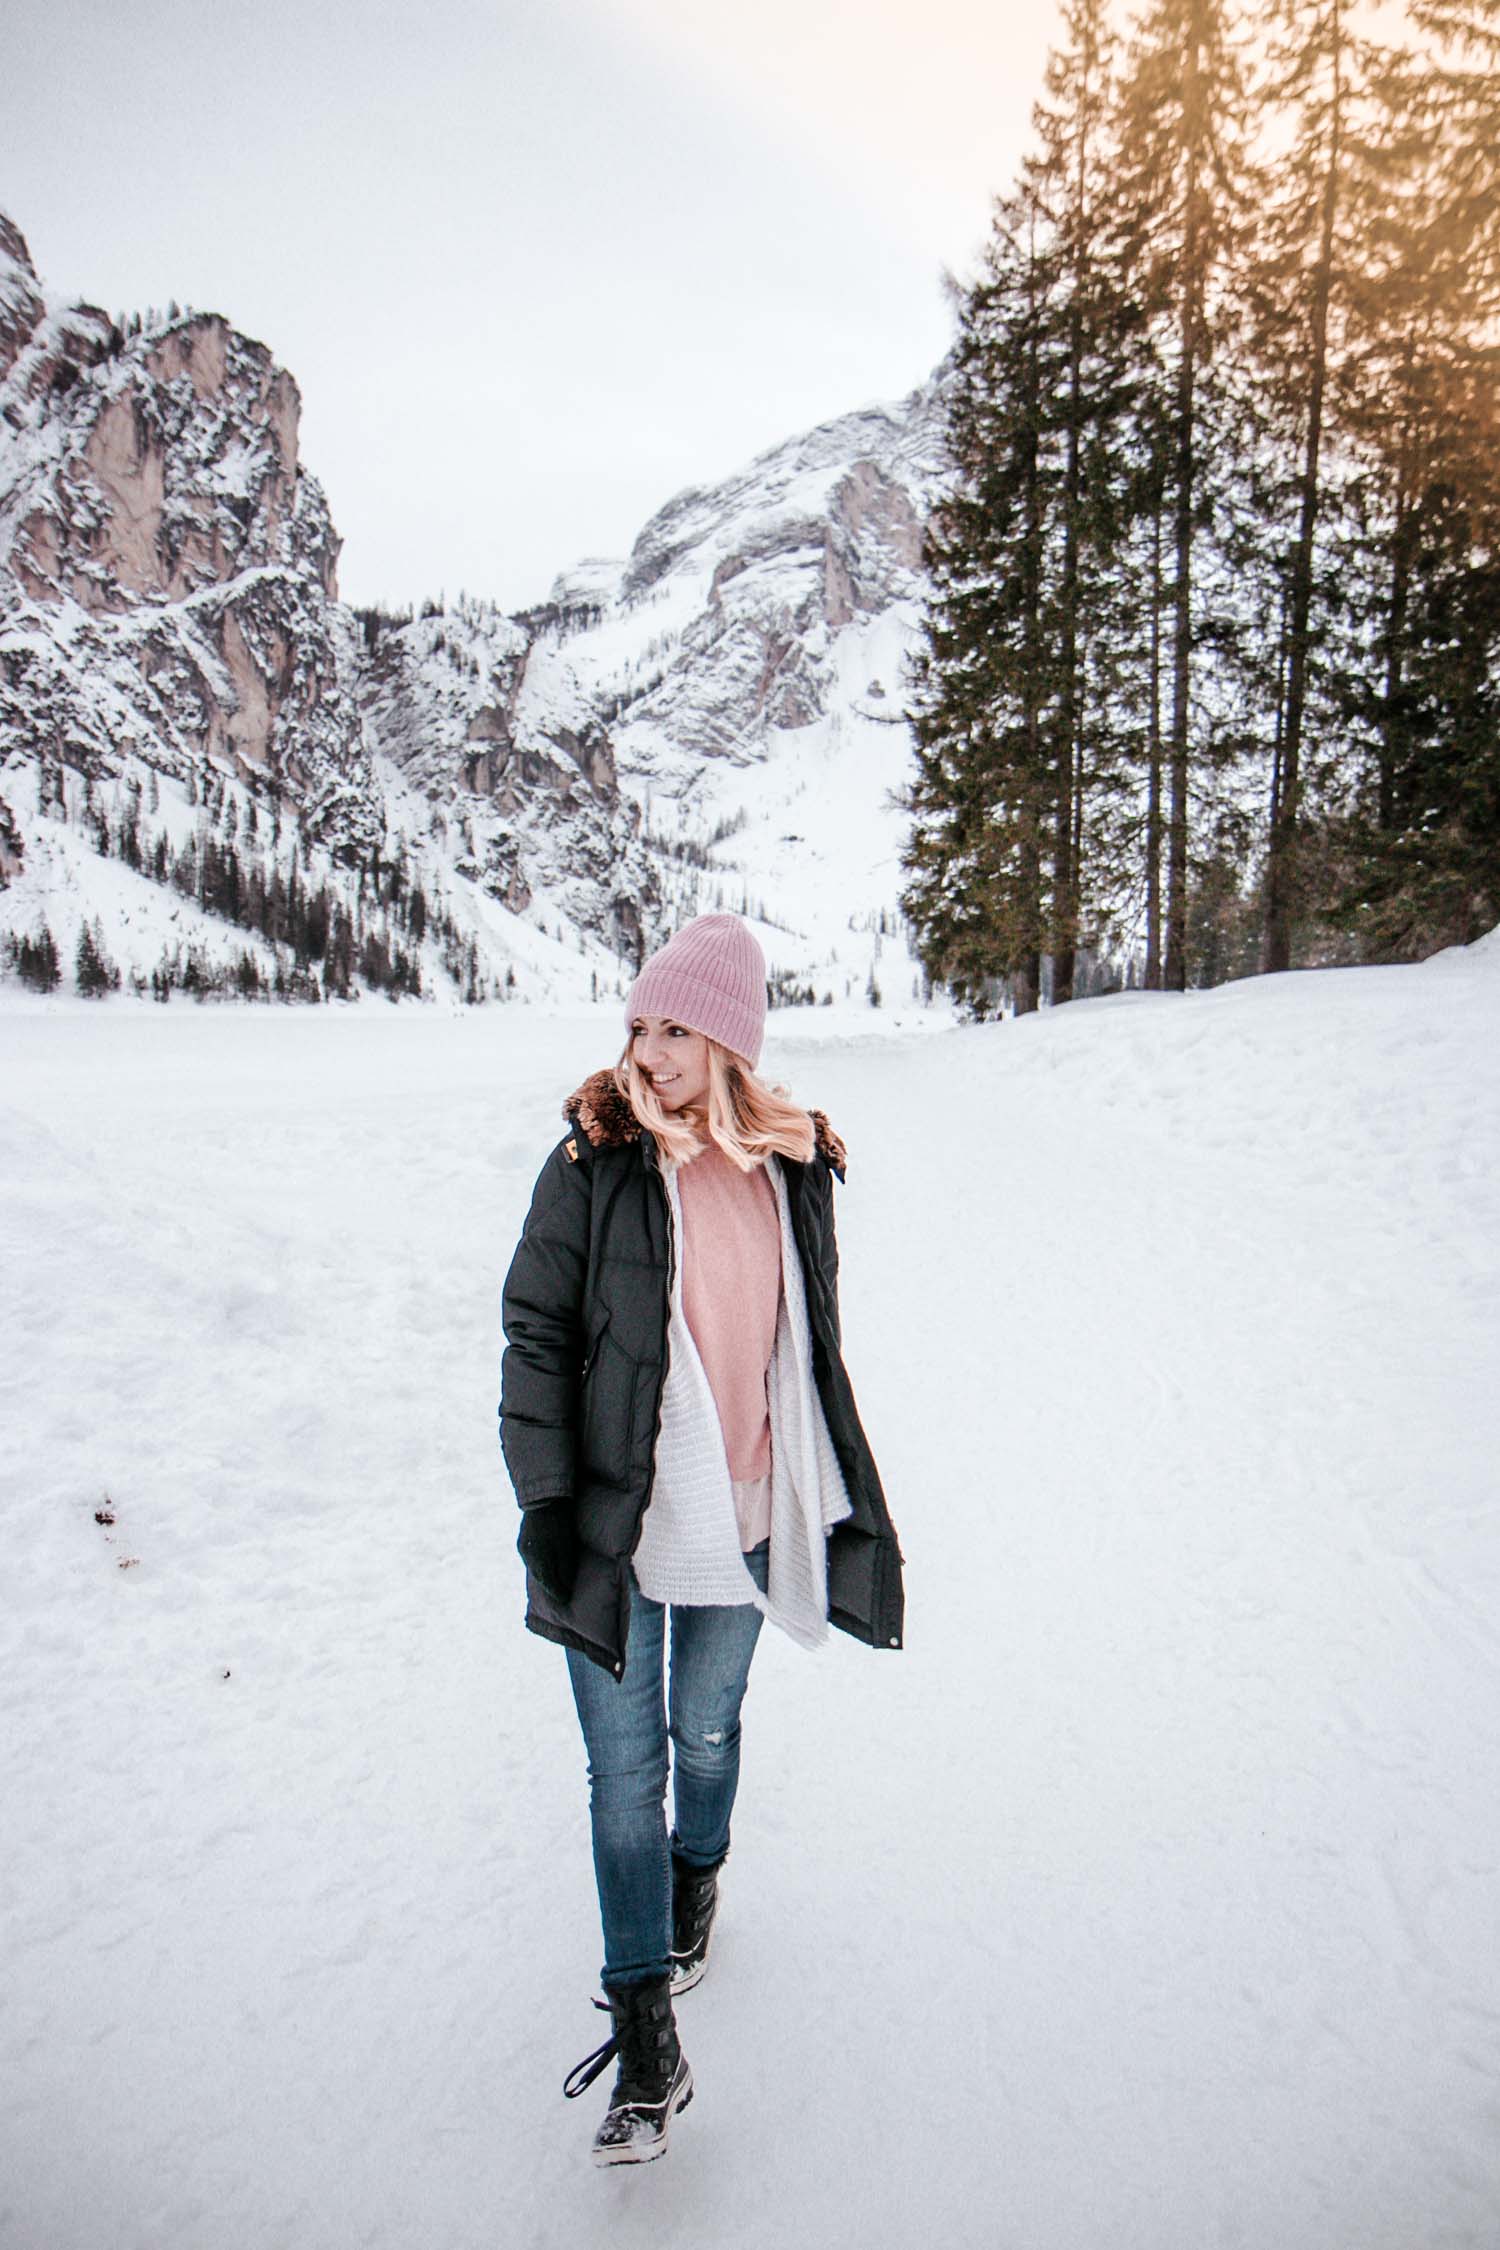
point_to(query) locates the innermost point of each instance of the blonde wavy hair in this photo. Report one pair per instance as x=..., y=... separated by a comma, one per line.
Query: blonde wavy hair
x=745, y=1117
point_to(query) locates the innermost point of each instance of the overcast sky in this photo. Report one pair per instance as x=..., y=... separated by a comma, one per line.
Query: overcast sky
x=535, y=267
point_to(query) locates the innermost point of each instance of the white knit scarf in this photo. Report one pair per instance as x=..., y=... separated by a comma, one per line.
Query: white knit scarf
x=689, y=1547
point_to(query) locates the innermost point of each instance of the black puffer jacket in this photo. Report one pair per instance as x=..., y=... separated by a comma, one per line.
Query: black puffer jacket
x=585, y=1311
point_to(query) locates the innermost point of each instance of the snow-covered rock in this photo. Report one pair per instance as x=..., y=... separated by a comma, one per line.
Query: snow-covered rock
x=532, y=808
x=167, y=565
x=746, y=665
x=714, y=719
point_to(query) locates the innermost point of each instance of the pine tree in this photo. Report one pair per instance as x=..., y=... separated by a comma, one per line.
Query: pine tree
x=1304, y=256
x=94, y=972
x=1422, y=406
x=128, y=835
x=985, y=771
x=1021, y=704
x=339, y=951
x=1180, y=191
x=37, y=962
x=1070, y=173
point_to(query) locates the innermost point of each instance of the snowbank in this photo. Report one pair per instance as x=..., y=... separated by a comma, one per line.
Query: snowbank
x=1147, y=1899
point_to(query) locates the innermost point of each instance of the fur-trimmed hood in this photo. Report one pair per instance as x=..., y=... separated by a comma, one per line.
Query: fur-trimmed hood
x=601, y=1111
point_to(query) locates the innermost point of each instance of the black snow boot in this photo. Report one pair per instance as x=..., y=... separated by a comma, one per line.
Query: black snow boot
x=653, y=2081
x=695, y=1896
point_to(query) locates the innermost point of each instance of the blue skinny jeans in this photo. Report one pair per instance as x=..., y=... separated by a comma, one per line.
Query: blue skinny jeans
x=626, y=1727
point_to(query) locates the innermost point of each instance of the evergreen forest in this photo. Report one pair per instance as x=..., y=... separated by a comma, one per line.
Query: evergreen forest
x=1209, y=675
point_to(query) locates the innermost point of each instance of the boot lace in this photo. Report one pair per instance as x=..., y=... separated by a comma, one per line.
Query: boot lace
x=583, y=2074
x=640, y=2039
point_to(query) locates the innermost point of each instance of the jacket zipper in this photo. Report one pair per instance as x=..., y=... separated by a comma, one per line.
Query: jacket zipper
x=653, y=1165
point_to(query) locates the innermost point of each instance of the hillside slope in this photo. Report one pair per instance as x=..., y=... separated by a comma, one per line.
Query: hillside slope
x=714, y=719
x=1147, y=1898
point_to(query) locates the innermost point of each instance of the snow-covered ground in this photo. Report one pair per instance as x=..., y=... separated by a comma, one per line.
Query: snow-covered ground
x=1149, y=1900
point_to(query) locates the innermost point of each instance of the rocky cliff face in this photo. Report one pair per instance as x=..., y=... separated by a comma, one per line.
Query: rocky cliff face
x=531, y=811
x=694, y=686
x=167, y=566
x=21, y=306
x=638, y=746
x=739, y=594
x=745, y=663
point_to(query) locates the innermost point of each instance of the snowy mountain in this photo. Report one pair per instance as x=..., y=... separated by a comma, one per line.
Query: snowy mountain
x=746, y=663
x=168, y=564
x=531, y=815
x=715, y=719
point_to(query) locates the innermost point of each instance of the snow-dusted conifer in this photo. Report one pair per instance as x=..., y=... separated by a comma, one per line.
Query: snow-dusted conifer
x=36, y=961
x=94, y=972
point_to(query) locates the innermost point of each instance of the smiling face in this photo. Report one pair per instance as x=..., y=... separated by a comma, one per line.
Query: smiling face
x=674, y=1059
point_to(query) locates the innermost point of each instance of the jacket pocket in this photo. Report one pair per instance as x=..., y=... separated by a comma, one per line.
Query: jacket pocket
x=607, y=1412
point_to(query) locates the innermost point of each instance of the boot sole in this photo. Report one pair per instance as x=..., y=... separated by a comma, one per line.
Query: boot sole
x=658, y=2147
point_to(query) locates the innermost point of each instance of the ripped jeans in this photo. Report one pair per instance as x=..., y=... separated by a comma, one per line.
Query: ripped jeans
x=626, y=1724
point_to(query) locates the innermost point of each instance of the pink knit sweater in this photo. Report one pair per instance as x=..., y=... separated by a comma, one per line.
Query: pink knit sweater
x=731, y=1286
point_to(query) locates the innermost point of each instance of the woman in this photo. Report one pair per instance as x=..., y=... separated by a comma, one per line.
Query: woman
x=684, y=1443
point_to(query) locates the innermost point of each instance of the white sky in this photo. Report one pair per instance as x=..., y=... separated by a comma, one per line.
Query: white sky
x=535, y=267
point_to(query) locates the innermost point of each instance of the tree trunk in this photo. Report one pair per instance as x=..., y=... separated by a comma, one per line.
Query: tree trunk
x=1175, y=973
x=1027, y=941
x=1281, y=871
x=1390, y=750
x=1175, y=968
x=1065, y=868
x=1153, y=780
x=1068, y=874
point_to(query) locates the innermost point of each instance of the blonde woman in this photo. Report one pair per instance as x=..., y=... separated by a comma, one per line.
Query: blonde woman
x=688, y=1458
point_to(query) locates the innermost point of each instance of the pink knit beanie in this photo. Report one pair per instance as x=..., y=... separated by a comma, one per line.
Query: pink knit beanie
x=711, y=978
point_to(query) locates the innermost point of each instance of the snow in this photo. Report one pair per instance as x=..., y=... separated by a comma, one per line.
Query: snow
x=65, y=882
x=722, y=673
x=1147, y=1898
